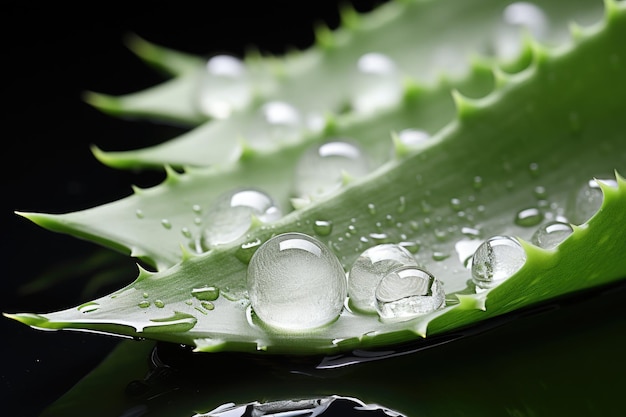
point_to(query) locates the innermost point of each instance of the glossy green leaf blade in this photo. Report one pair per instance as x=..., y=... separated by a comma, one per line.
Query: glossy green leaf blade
x=542, y=127
x=409, y=32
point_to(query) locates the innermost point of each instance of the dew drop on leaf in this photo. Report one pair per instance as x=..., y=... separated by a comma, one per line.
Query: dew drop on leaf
x=144, y=304
x=369, y=268
x=413, y=138
x=320, y=169
x=588, y=200
x=209, y=293
x=277, y=122
x=528, y=217
x=88, y=307
x=207, y=305
x=377, y=83
x=408, y=292
x=495, y=260
x=516, y=18
x=230, y=217
x=224, y=87
x=295, y=283
x=322, y=227
x=550, y=235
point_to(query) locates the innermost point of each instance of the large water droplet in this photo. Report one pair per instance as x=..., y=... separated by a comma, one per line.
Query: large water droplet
x=408, y=292
x=369, y=268
x=549, y=235
x=296, y=283
x=516, y=18
x=377, y=83
x=230, y=216
x=588, y=200
x=320, y=169
x=495, y=260
x=224, y=87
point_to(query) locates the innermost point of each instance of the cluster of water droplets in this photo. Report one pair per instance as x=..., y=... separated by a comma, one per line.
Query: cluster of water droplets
x=500, y=257
x=295, y=283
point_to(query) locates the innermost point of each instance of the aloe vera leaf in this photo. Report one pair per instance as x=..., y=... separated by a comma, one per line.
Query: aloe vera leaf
x=535, y=365
x=408, y=32
x=481, y=125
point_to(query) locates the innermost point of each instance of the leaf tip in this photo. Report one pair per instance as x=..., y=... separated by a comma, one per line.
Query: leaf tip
x=103, y=102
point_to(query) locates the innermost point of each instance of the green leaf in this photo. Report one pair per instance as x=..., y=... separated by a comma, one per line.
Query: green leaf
x=540, y=127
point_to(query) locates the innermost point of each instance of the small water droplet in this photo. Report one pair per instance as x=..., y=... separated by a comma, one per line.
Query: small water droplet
x=588, y=201
x=528, y=217
x=550, y=235
x=379, y=238
x=224, y=87
x=207, y=305
x=322, y=227
x=159, y=303
x=178, y=322
x=440, y=256
x=441, y=234
x=246, y=250
x=145, y=295
x=144, y=304
x=295, y=283
x=516, y=18
x=277, y=122
x=495, y=260
x=88, y=307
x=402, y=205
x=371, y=207
x=534, y=169
x=166, y=224
x=196, y=208
x=470, y=231
x=540, y=192
x=413, y=138
x=230, y=217
x=376, y=85
x=139, y=214
x=408, y=292
x=209, y=293
x=186, y=232
x=456, y=205
x=320, y=170
x=477, y=182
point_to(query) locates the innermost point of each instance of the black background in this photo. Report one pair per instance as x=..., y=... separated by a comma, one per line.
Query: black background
x=52, y=54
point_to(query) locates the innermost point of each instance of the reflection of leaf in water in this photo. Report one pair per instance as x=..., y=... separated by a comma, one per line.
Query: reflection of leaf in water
x=562, y=361
x=103, y=268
